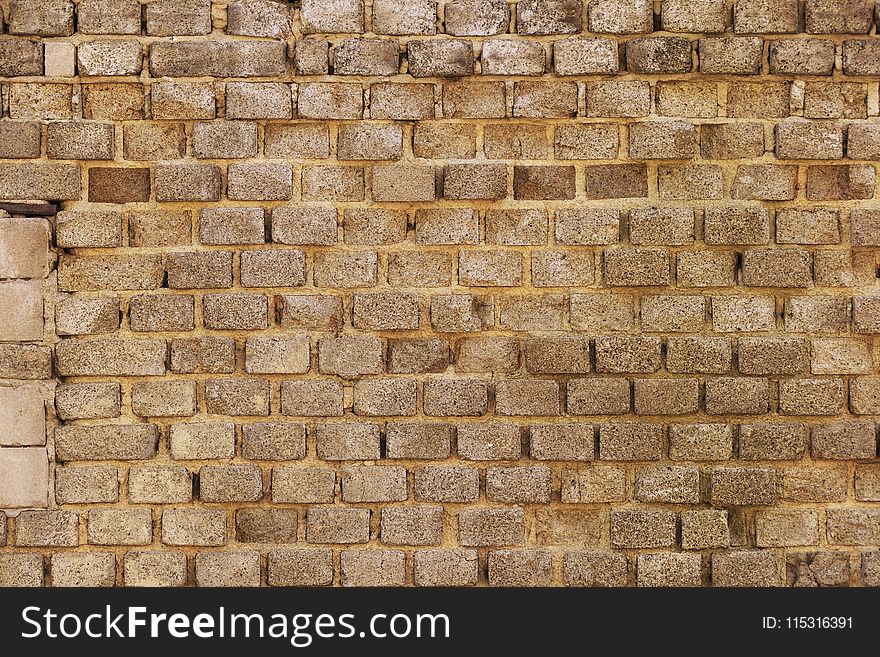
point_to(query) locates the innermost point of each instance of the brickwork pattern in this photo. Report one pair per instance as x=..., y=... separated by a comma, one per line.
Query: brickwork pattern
x=440, y=292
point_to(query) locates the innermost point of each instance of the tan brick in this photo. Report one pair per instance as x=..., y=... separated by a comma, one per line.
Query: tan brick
x=630, y=441
x=86, y=484
x=300, y=567
x=159, y=484
x=594, y=568
x=198, y=441
x=701, y=442
x=491, y=527
x=337, y=525
x=302, y=485
x=120, y=527
x=154, y=568
x=273, y=441
x=341, y=442
x=456, y=567
x=192, y=526
x=496, y=441
x=418, y=440
x=750, y=568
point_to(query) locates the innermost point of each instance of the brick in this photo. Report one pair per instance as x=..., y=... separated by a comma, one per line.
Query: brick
x=737, y=396
x=456, y=567
x=111, y=357
x=693, y=15
x=813, y=484
x=669, y=569
x=524, y=313
x=154, y=568
x=630, y=441
x=29, y=362
x=113, y=102
x=46, y=529
x=807, y=226
x=864, y=314
x=520, y=568
x=594, y=568
x=802, y=57
x=491, y=527
x=20, y=140
x=22, y=303
x=401, y=17
x=49, y=181
x=642, y=528
x=604, y=181
x=474, y=100
x=844, y=441
x=411, y=525
x=439, y=140
x=108, y=17
x=468, y=18
x=588, y=141
x=627, y=266
x=240, y=311
x=304, y=226
x=488, y=442
x=273, y=268
x=673, y=313
x=731, y=55
x=701, y=442
x=366, y=57
x=164, y=398
x=206, y=269
x=19, y=57
x=455, y=397
x=300, y=567
x=83, y=569
x=840, y=356
x=230, y=483
x=772, y=442
x=86, y=485
x=618, y=98
x=120, y=527
x=666, y=396
x=108, y=58
x=262, y=18
x=842, y=182
x=337, y=525
x=514, y=397
x=273, y=441
x=261, y=181
x=817, y=396
x=852, y=526
x=372, y=568
x=765, y=16
x=420, y=270
x=585, y=56
x=444, y=483
x=341, y=442
x=557, y=355
x=729, y=141
x=228, y=568
x=815, y=313
x=401, y=102
x=668, y=485
x=258, y=100
x=867, y=483
x=302, y=485
x=627, y=354
x=418, y=440
x=748, y=568
x=237, y=397
x=512, y=57
x=704, y=529
x=742, y=313
x=310, y=312
x=545, y=99
x=106, y=442
x=705, y=269
x=847, y=17
x=277, y=355
x=515, y=141
x=786, y=528
x=199, y=441
x=148, y=312
x=738, y=486
x=818, y=569
x=183, y=100
x=445, y=58
x=869, y=568
x=409, y=356
x=859, y=57
x=831, y=100
x=21, y=569
x=256, y=525
x=862, y=141
x=196, y=527
x=798, y=139
x=159, y=485
x=774, y=355
x=330, y=100
x=568, y=442
x=703, y=355
x=387, y=397
x=461, y=313
x=653, y=55
x=687, y=99
x=342, y=16
x=351, y=356
x=764, y=182
x=52, y=18
x=155, y=228
x=620, y=17
x=606, y=396
x=170, y=17
x=544, y=183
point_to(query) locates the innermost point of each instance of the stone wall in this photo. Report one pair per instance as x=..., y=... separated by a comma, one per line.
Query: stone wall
x=423, y=292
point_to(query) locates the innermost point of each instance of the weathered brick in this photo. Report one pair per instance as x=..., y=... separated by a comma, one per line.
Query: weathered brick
x=418, y=440
x=237, y=397
x=198, y=441
x=737, y=396
x=852, y=526
x=802, y=57
x=606, y=396
x=273, y=441
x=154, y=568
x=630, y=441
x=621, y=17
x=341, y=442
x=704, y=529
x=164, y=398
x=401, y=102
x=300, y=567
x=259, y=525
x=817, y=396
x=120, y=527
x=750, y=568
x=585, y=56
x=337, y=525
x=86, y=484
x=444, y=483
x=456, y=567
x=772, y=442
x=474, y=100
x=594, y=568
x=159, y=485
x=489, y=442
x=738, y=486
x=666, y=396
x=446, y=397
x=173, y=17
x=520, y=568
x=491, y=527
x=731, y=55
x=193, y=526
x=512, y=57
x=230, y=483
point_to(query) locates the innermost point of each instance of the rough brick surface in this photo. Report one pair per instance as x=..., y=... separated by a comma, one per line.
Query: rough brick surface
x=411, y=292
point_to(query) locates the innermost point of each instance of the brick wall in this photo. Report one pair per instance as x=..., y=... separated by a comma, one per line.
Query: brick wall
x=440, y=292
